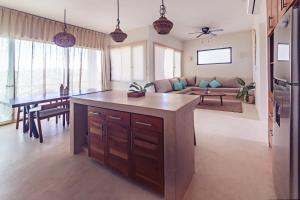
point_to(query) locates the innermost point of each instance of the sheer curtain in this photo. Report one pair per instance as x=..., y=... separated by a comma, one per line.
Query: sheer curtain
x=85, y=69
x=40, y=68
x=167, y=62
x=128, y=63
x=6, y=81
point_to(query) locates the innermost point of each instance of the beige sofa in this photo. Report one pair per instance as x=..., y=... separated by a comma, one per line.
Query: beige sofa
x=229, y=86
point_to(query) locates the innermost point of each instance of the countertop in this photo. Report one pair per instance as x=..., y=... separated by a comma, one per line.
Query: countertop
x=157, y=101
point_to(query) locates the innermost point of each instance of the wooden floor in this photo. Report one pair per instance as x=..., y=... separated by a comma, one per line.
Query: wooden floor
x=228, y=165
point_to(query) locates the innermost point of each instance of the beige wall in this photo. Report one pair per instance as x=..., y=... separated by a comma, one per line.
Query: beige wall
x=242, y=60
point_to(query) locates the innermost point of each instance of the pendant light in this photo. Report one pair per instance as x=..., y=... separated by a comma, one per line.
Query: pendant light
x=64, y=39
x=118, y=35
x=163, y=26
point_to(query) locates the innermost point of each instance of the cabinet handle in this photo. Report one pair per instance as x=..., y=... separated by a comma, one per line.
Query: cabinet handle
x=112, y=117
x=142, y=123
x=95, y=113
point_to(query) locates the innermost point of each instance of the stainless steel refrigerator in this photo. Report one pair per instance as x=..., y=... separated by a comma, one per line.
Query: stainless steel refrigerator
x=286, y=105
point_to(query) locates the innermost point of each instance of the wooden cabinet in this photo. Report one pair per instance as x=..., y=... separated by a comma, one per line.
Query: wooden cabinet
x=283, y=5
x=96, y=132
x=118, y=141
x=132, y=144
x=272, y=12
x=147, y=150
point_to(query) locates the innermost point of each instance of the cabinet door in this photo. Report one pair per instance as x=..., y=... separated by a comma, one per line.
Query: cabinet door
x=118, y=141
x=97, y=142
x=148, y=150
x=148, y=159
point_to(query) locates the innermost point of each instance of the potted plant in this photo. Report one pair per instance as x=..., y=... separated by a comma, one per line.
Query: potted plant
x=137, y=90
x=244, y=91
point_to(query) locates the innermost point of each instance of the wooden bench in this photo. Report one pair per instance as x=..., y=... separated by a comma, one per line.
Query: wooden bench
x=52, y=110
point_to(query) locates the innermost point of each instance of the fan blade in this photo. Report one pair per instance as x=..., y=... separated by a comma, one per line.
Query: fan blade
x=196, y=32
x=213, y=34
x=217, y=30
x=200, y=35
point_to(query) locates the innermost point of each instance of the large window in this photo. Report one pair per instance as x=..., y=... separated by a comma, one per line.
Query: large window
x=128, y=63
x=167, y=62
x=34, y=68
x=214, y=56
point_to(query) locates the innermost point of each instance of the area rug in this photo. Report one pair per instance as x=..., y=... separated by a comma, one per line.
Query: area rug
x=228, y=106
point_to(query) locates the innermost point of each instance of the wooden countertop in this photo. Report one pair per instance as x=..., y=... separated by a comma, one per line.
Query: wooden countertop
x=157, y=101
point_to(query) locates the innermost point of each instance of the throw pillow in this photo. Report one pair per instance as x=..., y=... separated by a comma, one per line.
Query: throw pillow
x=215, y=84
x=183, y=84
x=203, y=84
x=178, y=86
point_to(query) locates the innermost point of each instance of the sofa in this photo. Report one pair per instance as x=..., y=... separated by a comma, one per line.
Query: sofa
x=230, y=86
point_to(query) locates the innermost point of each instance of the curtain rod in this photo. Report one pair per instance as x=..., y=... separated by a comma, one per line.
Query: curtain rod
x=50, y=19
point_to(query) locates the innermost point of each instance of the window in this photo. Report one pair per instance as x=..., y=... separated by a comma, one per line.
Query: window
x=34, y=68
x=167, y=62
x=214, y=56
x=41, y=68
x=128, y=63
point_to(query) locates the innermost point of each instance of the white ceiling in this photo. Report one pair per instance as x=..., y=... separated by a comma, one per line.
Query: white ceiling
x=187, y=15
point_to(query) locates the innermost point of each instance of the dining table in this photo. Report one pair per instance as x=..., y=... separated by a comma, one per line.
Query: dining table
x=30, y=103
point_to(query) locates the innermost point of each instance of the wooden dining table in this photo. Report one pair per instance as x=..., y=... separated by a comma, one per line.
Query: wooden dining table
x=30, y=102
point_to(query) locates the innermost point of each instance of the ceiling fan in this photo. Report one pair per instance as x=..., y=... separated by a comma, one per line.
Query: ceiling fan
x=207, y=31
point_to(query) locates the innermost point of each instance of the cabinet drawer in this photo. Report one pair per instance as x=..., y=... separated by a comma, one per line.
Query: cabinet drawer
x=122, y=118
x=147, y=122
x=96, y=112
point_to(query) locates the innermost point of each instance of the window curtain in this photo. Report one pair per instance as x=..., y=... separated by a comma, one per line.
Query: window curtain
x=128, y=62
x=167, y=63
x=159, y=63
x=40, y=68
x=6, y=81
x=19, y=25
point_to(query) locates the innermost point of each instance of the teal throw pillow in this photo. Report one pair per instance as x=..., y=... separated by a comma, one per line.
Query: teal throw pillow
x=215, y=84
x=178, y=86
x=182, y=83
x=203, y=84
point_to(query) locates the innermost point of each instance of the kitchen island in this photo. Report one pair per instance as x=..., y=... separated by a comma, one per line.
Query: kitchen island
x=149, y=139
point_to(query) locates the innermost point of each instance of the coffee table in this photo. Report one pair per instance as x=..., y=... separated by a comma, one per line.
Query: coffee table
x=203, y=94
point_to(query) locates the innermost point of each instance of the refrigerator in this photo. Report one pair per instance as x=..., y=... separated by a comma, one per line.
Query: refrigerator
x=286, y=105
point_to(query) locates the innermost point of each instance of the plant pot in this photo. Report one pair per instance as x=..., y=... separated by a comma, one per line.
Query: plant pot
x=251, y=99
x=136, y=94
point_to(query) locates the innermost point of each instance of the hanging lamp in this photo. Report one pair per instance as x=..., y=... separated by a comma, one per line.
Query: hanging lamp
x=163, y=26
x=118, y=35
x=64, y=39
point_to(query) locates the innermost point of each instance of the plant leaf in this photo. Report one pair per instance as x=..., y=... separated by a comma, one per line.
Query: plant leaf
x=138, y=85
x=148, y=85
x=134, y=86
x=241, y=81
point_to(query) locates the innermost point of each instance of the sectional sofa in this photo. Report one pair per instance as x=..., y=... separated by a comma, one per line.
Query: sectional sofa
x=229, y=86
